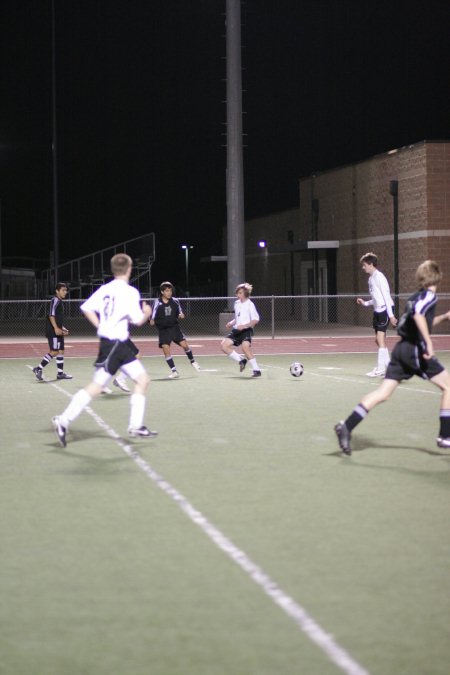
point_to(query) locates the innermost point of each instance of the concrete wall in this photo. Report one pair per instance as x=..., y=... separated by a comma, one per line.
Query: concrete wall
x=352, y=204
x=355, y=207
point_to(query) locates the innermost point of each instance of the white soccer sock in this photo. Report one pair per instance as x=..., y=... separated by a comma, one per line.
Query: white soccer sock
x=380, y=359
x=78, y=403
x=121, y=377
x=385, y=357
x=235, y=356
x=253, y=364
x=137, y=410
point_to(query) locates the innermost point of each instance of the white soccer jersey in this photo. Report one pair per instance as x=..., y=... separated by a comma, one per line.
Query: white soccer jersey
x=245, y=312
x=380, y=293
x=117, y=304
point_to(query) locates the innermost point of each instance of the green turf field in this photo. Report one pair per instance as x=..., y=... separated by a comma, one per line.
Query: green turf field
x=196, y=553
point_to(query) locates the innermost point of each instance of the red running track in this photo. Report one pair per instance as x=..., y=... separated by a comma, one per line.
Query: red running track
x=211, y=347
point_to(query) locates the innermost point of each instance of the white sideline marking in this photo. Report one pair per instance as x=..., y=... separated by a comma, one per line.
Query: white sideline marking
x=352, y=380
x=296, y=612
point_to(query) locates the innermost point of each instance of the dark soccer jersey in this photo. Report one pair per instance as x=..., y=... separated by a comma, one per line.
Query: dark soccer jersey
x=422, y=302
x=165, y=314
x=57, y=311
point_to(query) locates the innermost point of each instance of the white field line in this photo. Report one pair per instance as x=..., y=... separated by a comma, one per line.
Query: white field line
x=290, y=607
x=354, y=380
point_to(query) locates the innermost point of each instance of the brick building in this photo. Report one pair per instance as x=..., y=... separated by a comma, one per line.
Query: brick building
x=396, y=204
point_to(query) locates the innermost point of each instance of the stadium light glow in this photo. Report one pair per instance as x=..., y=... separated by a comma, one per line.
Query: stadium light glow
x=186, y=248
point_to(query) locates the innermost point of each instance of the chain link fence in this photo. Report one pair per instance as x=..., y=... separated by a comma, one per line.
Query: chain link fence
x=281, y=316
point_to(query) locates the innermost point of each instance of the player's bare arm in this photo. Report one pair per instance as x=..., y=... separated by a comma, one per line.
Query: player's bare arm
x=442, y=317
x=92, y=317
x=147, y=311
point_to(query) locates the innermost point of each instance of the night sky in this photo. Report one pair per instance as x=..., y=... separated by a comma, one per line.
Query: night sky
x=140, y=90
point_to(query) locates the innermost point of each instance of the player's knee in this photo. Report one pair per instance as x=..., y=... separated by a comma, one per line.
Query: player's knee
x=143, y=380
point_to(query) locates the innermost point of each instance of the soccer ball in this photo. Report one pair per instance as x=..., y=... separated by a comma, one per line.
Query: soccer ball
x=296, y=369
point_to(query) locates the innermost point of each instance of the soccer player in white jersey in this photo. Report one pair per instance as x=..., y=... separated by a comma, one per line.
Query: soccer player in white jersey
x=111, y=309
x=383, y=310
x=246, y=318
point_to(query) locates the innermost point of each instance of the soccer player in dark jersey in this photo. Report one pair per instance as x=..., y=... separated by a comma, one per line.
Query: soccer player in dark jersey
x=413, y=355
x=165, y=316
x=55, y=331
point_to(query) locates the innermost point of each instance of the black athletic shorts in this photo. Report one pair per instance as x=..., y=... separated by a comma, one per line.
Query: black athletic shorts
x=380, y=321
x=56, y=343
x=112, y=354
x=407, y=360
x=170, y=334
x=240, y=336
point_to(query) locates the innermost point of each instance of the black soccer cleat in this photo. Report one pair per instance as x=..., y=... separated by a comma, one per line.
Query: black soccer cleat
x=60, y=431
x=38, y=372
x=64, y=376
x=343, y=435
x=142, y=432
x=442, y=442
x=256, y=373
x=242, y=364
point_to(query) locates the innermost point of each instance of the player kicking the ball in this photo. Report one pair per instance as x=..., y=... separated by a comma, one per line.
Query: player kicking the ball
x=246, y=318
x=110, y=309
x=413, y=355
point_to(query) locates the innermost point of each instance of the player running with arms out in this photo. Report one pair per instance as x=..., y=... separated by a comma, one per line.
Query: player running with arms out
x=383, y=310
x=413, y=355
x=110, y=310
x=165, y=316
x=55, y=331
x=246, y=318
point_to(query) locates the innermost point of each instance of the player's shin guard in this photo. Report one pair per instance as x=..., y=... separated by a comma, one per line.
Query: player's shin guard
x=137, y=410
x=78, y=403
x=444, y=423
x=357, y=416
x=384, y=357
x=170, y=362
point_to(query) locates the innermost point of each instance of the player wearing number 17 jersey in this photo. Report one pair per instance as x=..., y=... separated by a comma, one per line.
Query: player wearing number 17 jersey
x=111, y=309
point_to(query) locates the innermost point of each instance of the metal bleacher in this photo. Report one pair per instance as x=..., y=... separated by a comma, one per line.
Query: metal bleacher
x=83, y=275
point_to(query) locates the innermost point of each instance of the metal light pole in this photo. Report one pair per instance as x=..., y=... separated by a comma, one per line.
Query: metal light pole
x=54, y=152
x=235, y=162
x=186, y=248
x=1, y=254
x=393, y=191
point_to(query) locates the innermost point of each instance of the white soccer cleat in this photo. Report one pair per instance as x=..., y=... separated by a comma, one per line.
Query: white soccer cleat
x=376, y=373
x=173, y=375
x=195, y=365
x=106, y=390
x=60, y=431
x=142, y=432
x=120, y=382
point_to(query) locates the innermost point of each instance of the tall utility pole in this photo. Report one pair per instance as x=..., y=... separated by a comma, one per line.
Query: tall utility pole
x=235, y=164
x=393, y=191
x=54, y=152
x=1, y=254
